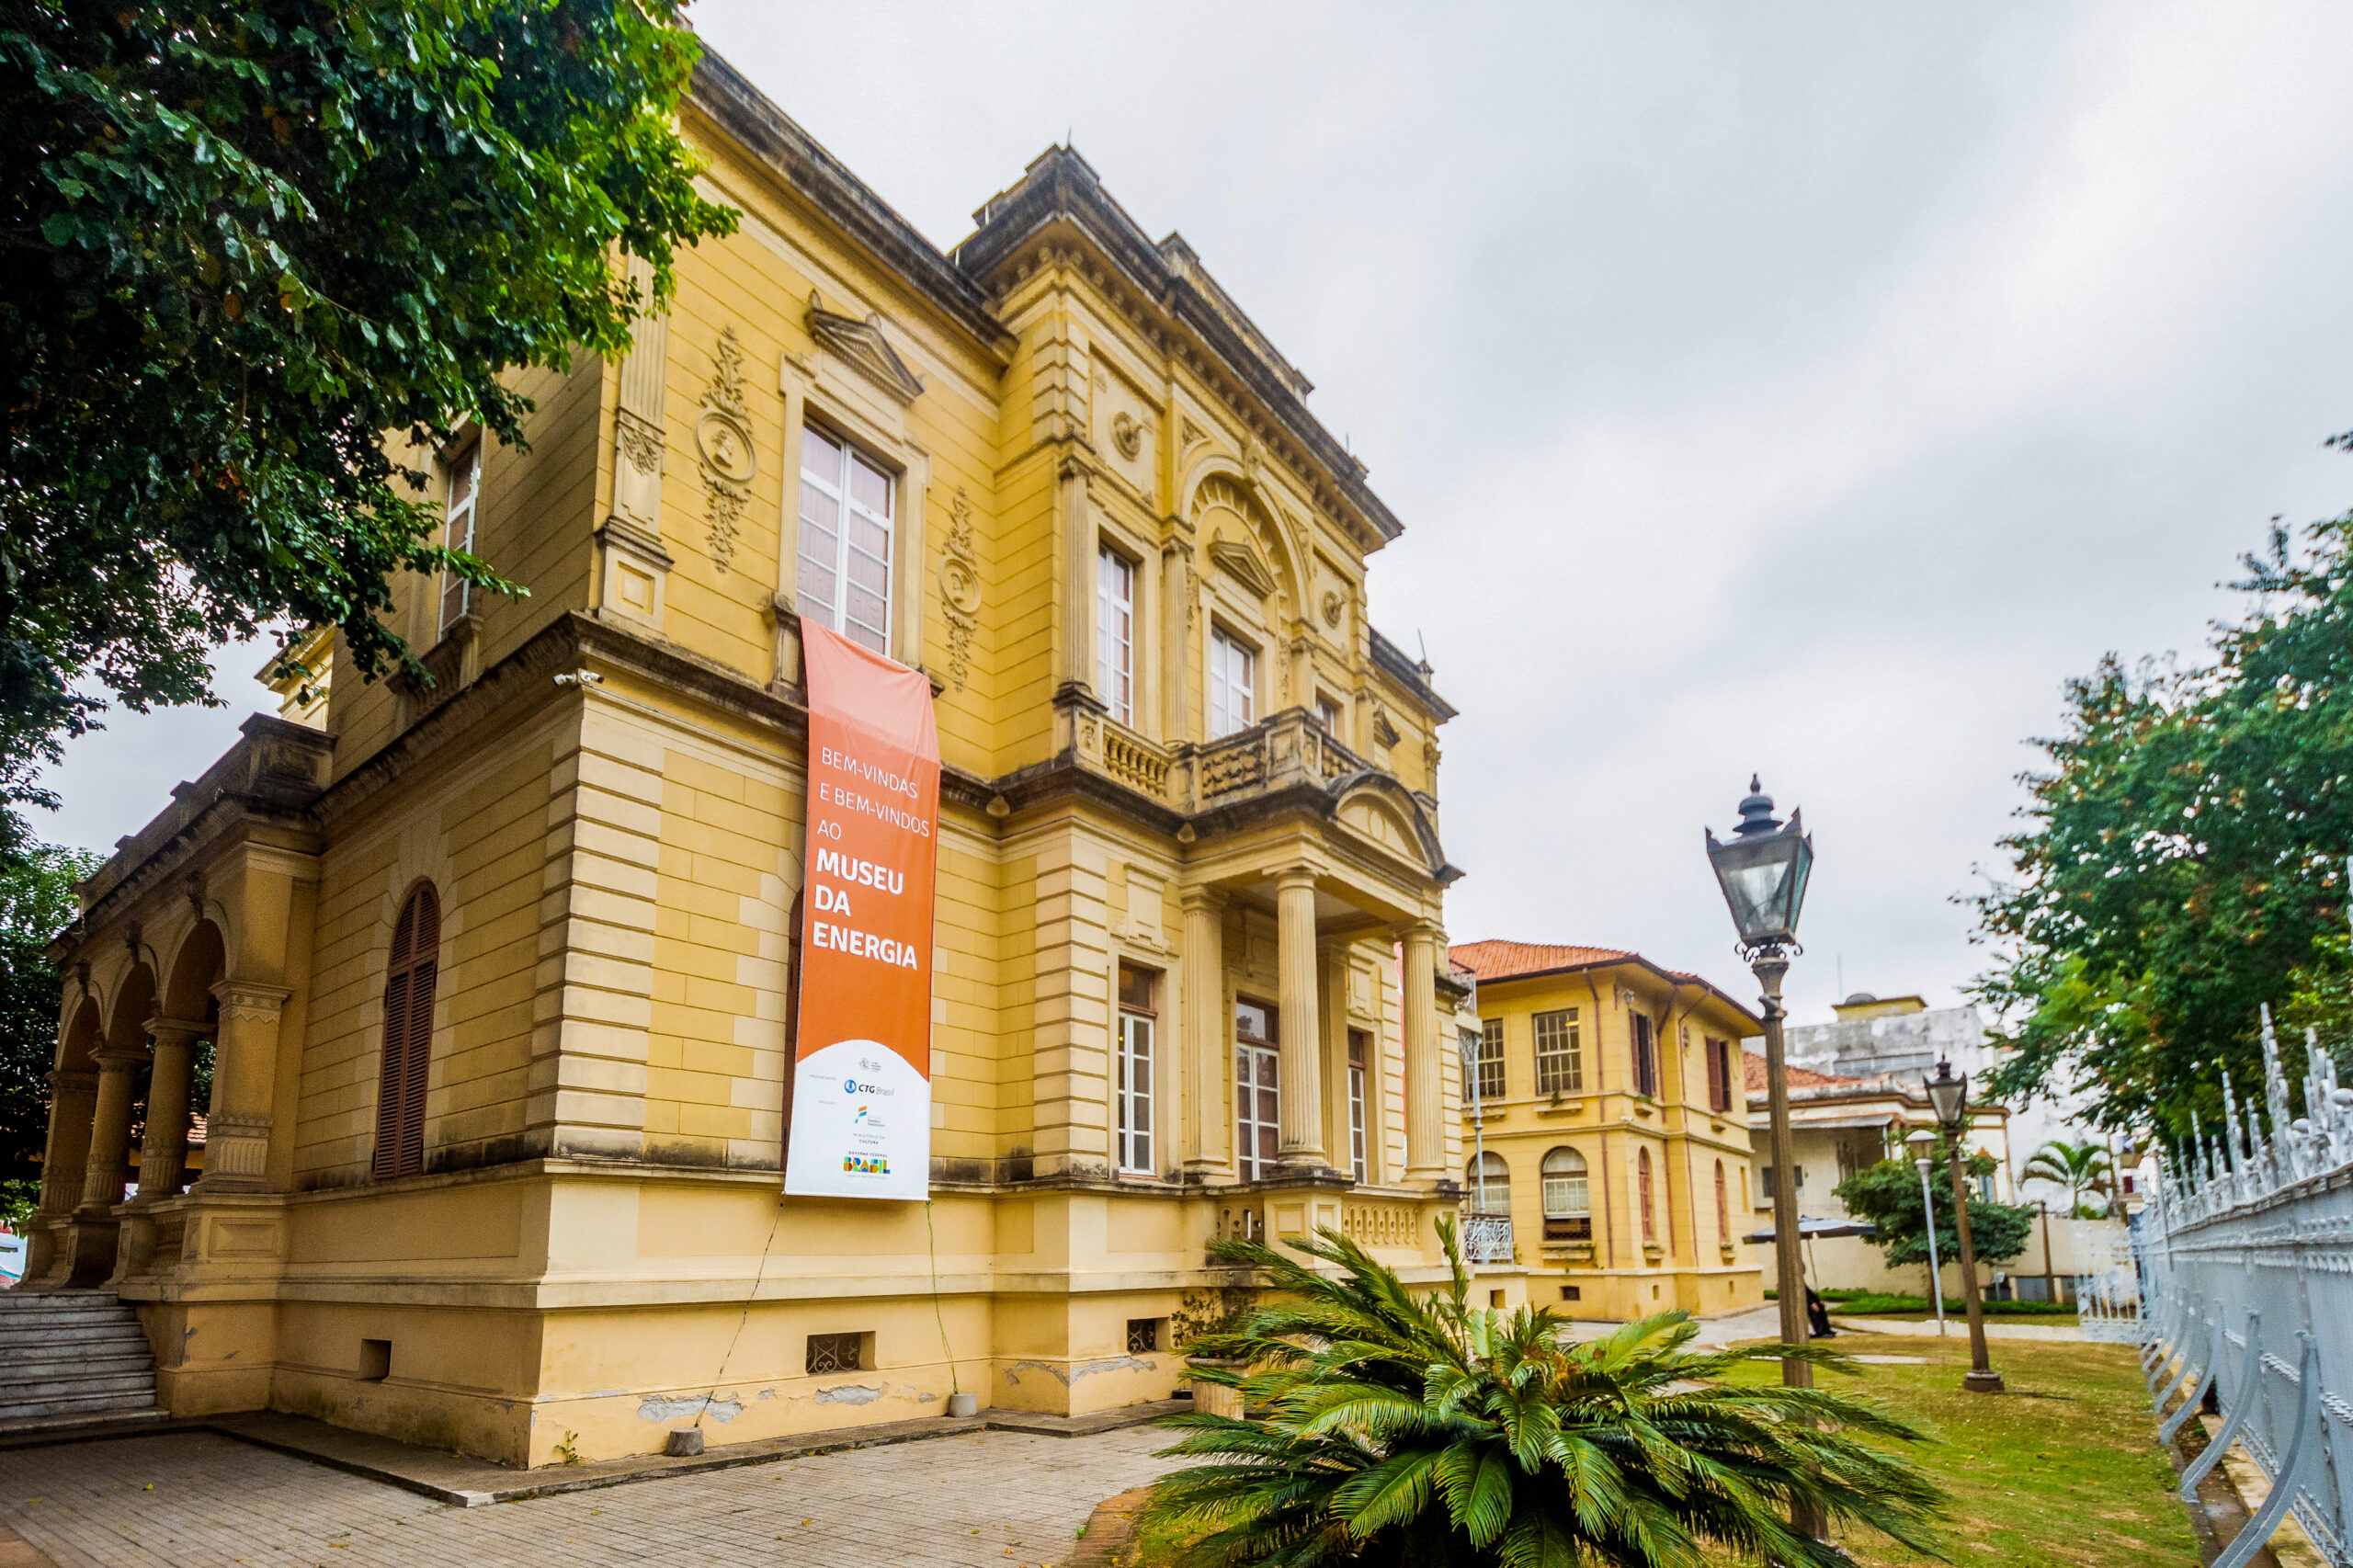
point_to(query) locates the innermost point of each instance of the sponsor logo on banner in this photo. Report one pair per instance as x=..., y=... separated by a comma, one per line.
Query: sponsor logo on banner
x=859, y=1124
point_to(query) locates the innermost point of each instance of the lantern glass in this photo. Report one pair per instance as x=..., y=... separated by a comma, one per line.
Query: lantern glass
x=1947, y=1093
x=1764, y=876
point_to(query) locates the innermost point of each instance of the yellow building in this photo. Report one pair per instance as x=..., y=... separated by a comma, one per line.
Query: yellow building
x=1605, y=1094
x=497, y=971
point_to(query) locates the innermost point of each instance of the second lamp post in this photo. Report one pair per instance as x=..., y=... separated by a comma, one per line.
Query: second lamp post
x=1950, y=1096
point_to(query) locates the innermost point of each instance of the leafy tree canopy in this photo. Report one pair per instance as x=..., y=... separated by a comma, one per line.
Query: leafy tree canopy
x=2183, y=860
x=252, y=237
x=1887, y=1194
x=36, y=901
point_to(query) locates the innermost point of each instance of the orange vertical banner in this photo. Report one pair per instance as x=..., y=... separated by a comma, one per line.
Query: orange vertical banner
x=861, y=1087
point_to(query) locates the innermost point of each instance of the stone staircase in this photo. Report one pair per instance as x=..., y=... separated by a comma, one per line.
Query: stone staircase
x=71, y=1357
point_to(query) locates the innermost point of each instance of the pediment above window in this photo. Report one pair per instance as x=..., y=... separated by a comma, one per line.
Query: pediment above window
x=1241, y=563
x=862, y=345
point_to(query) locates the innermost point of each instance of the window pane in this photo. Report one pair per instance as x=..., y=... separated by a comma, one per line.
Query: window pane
x=866, y=636
x=869, y=486
x=864, y=535
x=870, y=573
x=819, y=510
x=863, y=605
x=817, y=585
x=821, y=454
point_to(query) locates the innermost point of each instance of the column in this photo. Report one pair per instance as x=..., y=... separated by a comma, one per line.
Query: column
x=1425, y=1089
x=1208, y=1130
x=73, y=1106
x=1176, y=645
x=1078, y=577
x=109, y=1131
x=244, y=1074
x=163, y=1156
x=1302, y=1038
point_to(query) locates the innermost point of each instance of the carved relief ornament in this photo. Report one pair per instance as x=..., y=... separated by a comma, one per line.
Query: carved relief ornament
x=959, y=588
x=723, y=449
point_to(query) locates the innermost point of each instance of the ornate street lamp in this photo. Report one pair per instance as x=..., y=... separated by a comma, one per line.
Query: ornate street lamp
x=1950, y=1096
x=1763, y=871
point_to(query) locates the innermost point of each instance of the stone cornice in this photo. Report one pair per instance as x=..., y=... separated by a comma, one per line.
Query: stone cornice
x=1181, y=308
x=770, y=137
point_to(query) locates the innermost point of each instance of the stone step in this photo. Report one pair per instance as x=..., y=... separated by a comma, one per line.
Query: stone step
x=26, y=1321
x=125, y=1337
x=82, y=1405
x=15, y=1393
x=90, y=1363
x=45, y=1429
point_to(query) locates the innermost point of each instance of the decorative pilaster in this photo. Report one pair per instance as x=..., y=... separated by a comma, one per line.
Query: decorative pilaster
x=1207, y=1131
x=1302, y=1042
x=236, y=1146
x=1076, y=518
x=1424, y=1085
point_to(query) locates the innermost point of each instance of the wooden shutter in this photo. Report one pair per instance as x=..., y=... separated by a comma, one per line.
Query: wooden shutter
x=1715, y=1075
x=408, y=1036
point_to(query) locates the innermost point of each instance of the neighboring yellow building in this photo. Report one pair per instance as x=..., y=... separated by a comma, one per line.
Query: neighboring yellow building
x=1189, y=832
x=1609, y=1104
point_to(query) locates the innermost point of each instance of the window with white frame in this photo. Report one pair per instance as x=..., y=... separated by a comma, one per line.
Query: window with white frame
x=1114, y=625
x=1483, y=1063
x=1568, y=1198
x=1327, y=713
x=1138, y=1018
x=1233, y=685
x=458, y=533
x=1258, y=1091
x=843, y=579
x=1559, y=1056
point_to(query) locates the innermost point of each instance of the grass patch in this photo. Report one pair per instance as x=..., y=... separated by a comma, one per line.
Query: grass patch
x=2061, y=1472
x=1881, y=1304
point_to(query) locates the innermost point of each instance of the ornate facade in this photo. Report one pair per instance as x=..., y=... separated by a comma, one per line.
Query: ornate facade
x=497, y=970
x=1606, y=1131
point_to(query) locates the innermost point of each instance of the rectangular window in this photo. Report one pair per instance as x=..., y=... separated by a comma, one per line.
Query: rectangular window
x=1718, y=1075
x=1645, y=1055
x=1233, y=685
x=1559, y=1055
x=1357, y=1162
x=1133, y=1071
x=1765, y=1179
x=1257, y=1142
x=844, y=570
x=465, y=488
x=1327, y=713
x=1115, y=618
x=1143, y=1335
x=1483, y=1056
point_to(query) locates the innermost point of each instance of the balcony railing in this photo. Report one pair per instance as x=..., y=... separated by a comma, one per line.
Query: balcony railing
x=1290, y=748
x=1486, y=1238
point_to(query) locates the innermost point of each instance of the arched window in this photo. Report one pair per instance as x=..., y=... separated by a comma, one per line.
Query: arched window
x=1490, y=1184
x=1724, y=1208
x=1642, y=1187
x=408, y=1036
x=1568, y=1201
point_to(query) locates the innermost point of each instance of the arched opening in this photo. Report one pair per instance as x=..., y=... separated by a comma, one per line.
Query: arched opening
x=1489, y=1180
x=1568, y=1198
x=409, y=985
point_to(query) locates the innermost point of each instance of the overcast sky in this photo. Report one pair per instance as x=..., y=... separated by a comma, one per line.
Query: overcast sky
x=1802, y=388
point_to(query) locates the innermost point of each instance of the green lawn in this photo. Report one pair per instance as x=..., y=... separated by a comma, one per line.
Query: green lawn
x=2064, y=1469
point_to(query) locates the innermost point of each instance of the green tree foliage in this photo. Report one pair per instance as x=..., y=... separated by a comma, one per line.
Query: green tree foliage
x=2079, y=1167
x=1404, y=1428
x=36, y=902
x=1887, y=1194
x=248, y=239
x=2184, y=857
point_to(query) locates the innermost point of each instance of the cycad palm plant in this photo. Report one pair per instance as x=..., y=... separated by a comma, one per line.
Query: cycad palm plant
x=1390, y=1428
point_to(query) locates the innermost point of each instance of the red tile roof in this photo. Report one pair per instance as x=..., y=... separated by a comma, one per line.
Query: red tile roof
x=1753, y=1072
x=1501, y=959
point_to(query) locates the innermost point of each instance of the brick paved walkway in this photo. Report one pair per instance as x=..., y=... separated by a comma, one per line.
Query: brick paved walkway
x=198, y=1500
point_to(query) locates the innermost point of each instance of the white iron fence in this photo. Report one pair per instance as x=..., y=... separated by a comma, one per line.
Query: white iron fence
x=2246, y=1271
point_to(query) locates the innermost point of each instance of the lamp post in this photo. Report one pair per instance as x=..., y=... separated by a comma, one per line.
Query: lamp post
x=1763, y=870
x=1921, y=1143
x=1950, y=1096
